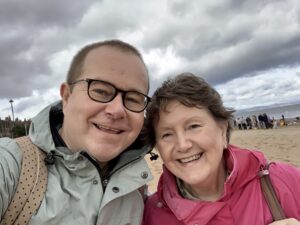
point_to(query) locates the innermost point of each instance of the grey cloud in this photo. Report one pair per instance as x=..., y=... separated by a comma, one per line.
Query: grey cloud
x=250, y=8
x=155, y=83
x=262, y=89
x=20, y=66
x=109, y=19
x=219, y=40
x=242, y=26
x=23, y=105
x=27, y=41
x=42, y=14
x=262, y=55
x=180, y=8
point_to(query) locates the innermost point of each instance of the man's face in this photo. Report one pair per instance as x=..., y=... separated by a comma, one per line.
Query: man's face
x=103, y=130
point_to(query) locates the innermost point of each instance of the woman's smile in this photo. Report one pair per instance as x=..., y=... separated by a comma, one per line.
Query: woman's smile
x=190, y=158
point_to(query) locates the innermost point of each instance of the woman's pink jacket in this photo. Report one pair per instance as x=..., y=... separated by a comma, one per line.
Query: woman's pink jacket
x=242, y=202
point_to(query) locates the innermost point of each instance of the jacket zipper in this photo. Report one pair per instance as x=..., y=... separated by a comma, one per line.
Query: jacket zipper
x=104, y=180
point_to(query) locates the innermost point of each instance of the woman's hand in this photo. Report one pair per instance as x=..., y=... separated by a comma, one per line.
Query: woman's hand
x=290, y=221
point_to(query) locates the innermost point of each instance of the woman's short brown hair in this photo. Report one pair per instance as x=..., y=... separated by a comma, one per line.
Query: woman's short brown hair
x=191, y=91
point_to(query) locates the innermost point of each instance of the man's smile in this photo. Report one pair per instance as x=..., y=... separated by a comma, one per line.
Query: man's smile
x=107, y=129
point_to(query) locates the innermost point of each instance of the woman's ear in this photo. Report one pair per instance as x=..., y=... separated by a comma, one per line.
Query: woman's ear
x=224, y=125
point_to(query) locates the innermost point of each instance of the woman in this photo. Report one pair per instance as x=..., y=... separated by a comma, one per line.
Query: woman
x=206, y=180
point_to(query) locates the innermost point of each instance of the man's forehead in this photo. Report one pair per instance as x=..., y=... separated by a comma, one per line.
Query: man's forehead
x=97, y=55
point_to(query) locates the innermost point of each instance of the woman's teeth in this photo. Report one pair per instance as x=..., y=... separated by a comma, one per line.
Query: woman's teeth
x=192, y=158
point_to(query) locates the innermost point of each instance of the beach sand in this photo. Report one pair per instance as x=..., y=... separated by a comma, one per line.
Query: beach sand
x=282, y=144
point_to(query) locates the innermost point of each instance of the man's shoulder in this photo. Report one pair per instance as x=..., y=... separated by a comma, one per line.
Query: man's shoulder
x=10, y=148
x=10, y=156
x=10, y=169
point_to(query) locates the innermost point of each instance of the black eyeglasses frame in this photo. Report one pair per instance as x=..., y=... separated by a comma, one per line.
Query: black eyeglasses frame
x=89, y=81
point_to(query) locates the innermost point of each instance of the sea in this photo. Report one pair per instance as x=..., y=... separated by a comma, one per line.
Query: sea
x=275, y=111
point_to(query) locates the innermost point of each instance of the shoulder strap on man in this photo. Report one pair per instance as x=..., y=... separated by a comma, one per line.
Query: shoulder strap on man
x=270, y=194
x=31, y=187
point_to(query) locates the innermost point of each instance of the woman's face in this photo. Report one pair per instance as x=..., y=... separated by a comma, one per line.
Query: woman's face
x=191, y=142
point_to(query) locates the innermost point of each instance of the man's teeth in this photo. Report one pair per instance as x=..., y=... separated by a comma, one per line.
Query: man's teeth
x=107, y=128
x=190, y=159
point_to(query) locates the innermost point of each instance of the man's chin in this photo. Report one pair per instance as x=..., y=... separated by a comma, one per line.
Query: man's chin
x=105, y=153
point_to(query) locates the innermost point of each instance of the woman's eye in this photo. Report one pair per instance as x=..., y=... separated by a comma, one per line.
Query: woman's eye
x=194, y=126
x=166, y=135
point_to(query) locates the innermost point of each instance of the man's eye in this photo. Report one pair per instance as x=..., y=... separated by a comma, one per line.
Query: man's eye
x=133, y=100
x=101, y=94
x=99, y=91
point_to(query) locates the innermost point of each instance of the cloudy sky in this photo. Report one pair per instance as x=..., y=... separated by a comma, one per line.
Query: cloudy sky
x=249, y=50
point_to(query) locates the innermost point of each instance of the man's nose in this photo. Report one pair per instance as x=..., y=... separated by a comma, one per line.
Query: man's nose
x=115, y=108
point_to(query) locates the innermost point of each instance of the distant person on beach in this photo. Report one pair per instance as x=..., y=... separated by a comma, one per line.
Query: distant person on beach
x=244, y=123
x=274, y=122
x=261, y=121
x=239, y=123
x=249, y=122
x=205, y=179
x=267, y=120
x=91, y=136
x=254, y=121
x=283, y=119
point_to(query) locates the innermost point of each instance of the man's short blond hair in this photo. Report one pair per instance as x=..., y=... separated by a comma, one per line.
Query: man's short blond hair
x=77, y=63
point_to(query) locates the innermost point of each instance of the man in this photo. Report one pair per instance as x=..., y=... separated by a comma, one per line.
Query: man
x=97, y=165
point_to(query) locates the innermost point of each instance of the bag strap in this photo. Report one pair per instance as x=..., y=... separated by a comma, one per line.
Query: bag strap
x=270, y=194
x=31, y=187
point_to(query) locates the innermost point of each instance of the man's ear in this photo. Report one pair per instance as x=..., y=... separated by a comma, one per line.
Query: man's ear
x=65, y=93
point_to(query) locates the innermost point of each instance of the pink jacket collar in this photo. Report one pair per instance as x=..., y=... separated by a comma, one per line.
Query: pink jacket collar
x=244, y=166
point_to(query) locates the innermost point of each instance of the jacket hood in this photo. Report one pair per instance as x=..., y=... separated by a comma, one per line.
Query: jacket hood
x=40, y=131
x=243, y=168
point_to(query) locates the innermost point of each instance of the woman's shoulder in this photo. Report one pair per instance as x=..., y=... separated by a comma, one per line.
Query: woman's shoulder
x=284, y=171
x=157, y=212
x=286, y=182
x=151, y=201
x=285, y=174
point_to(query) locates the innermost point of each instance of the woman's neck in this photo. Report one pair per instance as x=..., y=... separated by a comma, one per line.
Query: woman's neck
x=211, y=190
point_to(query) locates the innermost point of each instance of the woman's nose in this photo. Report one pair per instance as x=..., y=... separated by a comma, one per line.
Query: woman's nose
x=183, y=143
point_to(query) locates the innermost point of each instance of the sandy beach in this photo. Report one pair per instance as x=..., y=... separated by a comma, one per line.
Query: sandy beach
x=282, y=144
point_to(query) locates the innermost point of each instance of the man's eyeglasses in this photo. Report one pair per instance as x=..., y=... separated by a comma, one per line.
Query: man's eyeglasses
x=104, y=92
